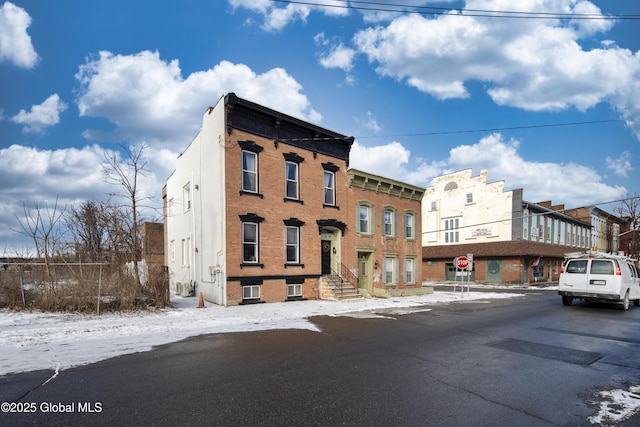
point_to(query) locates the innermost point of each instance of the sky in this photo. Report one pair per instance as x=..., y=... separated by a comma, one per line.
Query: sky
x=32, y=340
x=547, y=101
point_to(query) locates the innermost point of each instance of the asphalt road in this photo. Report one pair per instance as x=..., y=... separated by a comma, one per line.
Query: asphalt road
x=528, y=361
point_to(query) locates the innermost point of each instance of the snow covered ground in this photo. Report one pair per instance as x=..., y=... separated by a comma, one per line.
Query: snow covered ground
x=34, y=340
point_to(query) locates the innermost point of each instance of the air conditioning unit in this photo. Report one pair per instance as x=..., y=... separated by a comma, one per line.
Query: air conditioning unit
x=178, y=288
x=187, y=290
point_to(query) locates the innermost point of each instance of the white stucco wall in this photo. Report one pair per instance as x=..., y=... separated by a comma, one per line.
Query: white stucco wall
x=201, y=169
x=486, y=218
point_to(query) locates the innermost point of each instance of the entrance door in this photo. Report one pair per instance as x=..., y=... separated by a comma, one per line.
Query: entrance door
x=326, y=257
x=364, y=281
x=494, y=271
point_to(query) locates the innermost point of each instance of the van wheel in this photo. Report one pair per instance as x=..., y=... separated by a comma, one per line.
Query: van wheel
x=625, y=302
x=567, y=300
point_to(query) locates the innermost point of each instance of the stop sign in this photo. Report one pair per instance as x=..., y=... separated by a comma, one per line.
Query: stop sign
x=462, y=262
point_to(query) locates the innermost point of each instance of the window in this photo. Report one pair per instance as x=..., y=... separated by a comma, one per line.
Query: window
x=599, y=266
x=251, y=292
x=451, y=232
x=364, y=219
x=469, y=197
x=293, y=245
x=408, y=271
x=249, y=242
x=409, y=230
x=172, y=250
x=434, y=206
x=329, y=188
x=577, y=267
x=186, y=197
x=291, y=179
x=294, y=290
x=249, y=172
x=388, y=223
x=388, y=270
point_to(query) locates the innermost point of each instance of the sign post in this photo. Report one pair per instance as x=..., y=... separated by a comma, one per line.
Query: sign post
x=462, y=269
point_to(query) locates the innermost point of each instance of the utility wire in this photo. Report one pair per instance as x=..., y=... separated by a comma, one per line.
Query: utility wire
x=549, y=212
x=428, y=10
x=453, y=132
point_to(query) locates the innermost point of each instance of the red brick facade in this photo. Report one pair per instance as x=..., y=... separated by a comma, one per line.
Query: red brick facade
x=376, y=194
x=272, y=208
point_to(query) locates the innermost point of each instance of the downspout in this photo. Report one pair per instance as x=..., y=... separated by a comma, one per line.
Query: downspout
x=223, y=219
x=192, y=235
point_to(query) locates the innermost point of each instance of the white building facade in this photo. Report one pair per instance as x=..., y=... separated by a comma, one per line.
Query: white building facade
x=511, y=240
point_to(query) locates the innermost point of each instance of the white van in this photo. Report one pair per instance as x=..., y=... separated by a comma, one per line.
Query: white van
x=599, y=277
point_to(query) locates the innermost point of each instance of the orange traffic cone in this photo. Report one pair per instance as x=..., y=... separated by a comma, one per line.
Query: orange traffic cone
x=201, y=301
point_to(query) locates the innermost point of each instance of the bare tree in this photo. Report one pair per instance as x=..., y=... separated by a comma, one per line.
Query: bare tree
x=125, y=172
x=629, y=211
x=88, y=225
x=42, y=225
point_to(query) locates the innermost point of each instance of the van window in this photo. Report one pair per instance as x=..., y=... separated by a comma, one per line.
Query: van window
x=601, y=266
x=578, y=266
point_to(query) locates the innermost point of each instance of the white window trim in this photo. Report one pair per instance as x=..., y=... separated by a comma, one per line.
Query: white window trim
x=252, y=289
x=367, y=208
x=296, y=245
x=256, y=244
x=248, y=171
x=412, y=270
x=296, y=180
x=295, y=287
x=393, y=271
x=390, y=224
x=332, y=188
x=412, y=227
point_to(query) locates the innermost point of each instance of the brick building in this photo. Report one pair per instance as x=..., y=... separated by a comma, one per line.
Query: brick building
x=256, y=210
x=387, y=235
x=511, y=240
x=153, y=243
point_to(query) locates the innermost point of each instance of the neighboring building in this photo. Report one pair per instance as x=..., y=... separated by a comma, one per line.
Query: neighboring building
x=605, y=228
x=511, y=240
x=257, y=208
x=153, y=243
x=387, y=233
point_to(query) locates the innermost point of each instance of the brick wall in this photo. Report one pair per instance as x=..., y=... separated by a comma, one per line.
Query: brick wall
x=270, y=204
x=397, y=246
x=153, y=243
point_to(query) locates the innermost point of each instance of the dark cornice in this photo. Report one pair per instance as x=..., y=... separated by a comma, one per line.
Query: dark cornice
x=259, y=120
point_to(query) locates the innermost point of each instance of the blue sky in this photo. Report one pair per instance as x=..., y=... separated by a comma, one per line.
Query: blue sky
x=423, y=94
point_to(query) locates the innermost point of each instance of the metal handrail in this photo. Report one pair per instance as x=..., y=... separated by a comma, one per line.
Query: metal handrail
x=351, y=277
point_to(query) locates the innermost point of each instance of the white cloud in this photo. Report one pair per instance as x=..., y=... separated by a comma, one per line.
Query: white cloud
x=147, y=98
x=41, y=116
x=15, y=42
x=535, y=64
x=620, y=166
x=340, y=57
x=370, y=122
x=276, y=18
x=391, y=158
x=572, y=184
x=73, y=175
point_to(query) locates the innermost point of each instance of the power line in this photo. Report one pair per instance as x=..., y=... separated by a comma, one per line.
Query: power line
x=549, y=212
x=453, y=132
x=462, y=12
